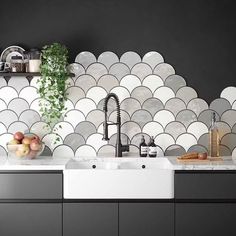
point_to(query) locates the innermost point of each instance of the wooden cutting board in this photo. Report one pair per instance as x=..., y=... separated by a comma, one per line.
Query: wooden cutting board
x=200, y=161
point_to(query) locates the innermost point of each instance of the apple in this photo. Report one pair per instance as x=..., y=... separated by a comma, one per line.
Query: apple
x=23, y=150
x=14, y=142
x=35, y=145
x=32, y=154
x=26, y=140
x=18, y=136
x=12, y=145
x=35, y=137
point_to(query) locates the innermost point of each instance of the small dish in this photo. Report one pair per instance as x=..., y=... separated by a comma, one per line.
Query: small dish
x=11, y=51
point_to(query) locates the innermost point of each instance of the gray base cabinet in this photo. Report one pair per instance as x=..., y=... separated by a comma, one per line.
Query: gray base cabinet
x=27, y=219
x=204, y=219
x=146, y=219
x=90, y=219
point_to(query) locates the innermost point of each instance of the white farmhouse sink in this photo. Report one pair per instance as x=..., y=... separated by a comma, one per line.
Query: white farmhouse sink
x=114, y=178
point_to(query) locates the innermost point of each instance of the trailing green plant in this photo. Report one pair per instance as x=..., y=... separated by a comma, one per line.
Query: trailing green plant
x=53, y=82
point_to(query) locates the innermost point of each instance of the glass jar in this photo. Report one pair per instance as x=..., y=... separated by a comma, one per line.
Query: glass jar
x=34, y=60
x=17, y=64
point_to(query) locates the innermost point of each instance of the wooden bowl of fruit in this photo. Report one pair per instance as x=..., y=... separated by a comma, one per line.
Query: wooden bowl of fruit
x=23, y=147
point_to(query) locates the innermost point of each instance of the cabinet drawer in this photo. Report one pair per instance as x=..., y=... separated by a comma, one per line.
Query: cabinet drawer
x=205, y=185
x=18, y=185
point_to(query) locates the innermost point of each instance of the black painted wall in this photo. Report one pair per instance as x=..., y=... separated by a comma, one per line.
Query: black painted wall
x=197, y=37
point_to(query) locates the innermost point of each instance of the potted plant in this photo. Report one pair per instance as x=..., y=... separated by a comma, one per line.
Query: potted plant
x=53, y=82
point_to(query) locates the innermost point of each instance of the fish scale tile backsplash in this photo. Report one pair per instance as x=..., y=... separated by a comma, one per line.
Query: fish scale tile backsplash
x=155, y=101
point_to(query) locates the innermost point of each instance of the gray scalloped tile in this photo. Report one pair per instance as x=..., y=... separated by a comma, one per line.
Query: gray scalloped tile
x=124, y=139
x=96, y=94
x=7, y=117
x=62, y=152
x=153, y=58
x=186, y=117
x=205, y=117
x=111, y=106
x=175, y=128
x=108, y=82
x=85, y=128
x=46, y=151
x=164, y=141
x=229, y=94
x=18, y=105
x=197, y=148
x=197, y=105
x=85, y=58
x=204, y=140
x=130, y=82
x=119, y=70
x=96, y=70
x=123, y=114
x=74, y=140
x=225, y=151
x=175, y=150
x=141, y=93
x=85, y=105
x=136, y=140
x=186, y=94
x=18, y=126
x=130, y=128
x=18, y=83
x=229, y=140
x=175, y=105
x=3, y=82
x=75, y=94
x=229, y=117
x=85, y=82
x=85, y=150
x=76, y=69
x=164, y=70
x=96, y=117
x=175, y=82
x=7, y=94
x=234, y=129
x=29, y=117
x=164, y=94
x=133, y=151
x=40, y=128
x=130, y=105
x=108, y=58
x=220, y=105
x=141, y=70
x=130, y=58
x=141, y=117
x=223, y=128
x=153, y=128
x=106, y=151
x=153, y=105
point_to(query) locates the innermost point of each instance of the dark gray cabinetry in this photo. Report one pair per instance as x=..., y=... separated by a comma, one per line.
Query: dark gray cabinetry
x=90, y=219
x=149, y=219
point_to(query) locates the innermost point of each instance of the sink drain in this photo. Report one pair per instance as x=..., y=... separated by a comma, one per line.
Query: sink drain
x=94, y=166
x=143, y=166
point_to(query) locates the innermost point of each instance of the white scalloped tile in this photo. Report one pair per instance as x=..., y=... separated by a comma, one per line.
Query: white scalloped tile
x=69, y=82
x=223, y=128
x=164, y=70
x=63, y=129
x=52, y=141
x=153, y=128
x=229, y=94
x=97, y=70
x=186, y=141
x=123, y=114
x=186, y=94
x=234, y=105
x=85, y=128
x=107, y=151
x=175, y=82
x=197, y=129
x=63, y=151
x=153, y=105
x=75, y=94
x=119, y=70
x=96, y=117
x=175, y=129
x=85, y=151
x=96, y=94
x=3, y=155
x=3, y=82
x=3, y=128
x=130, y=58
x=137, y=139
x=69, y=105
x=74, y=140
x=141, y=93
x=7, y=117
x=85, y=59
x=153, y=82
x=4, y=139
x=130, y=128
x=18, y=105
x=234, y=153
x=108, y=82
x=18, y=126
x=220, y=105
x=74, y=117
x=130, y=82
x=164, y=94
x=141, y=70
x=35, y=105
x=29, y=94
x=34, y=81
x=124, y=139
x=229, y=117
x=133, y=151
x=141, y=117
x=112, y=129
x=175, y=105
x=40, y=128
x=85, y=82
x=153, y=58
x=18, y=83
x=164, y=141
x=229, y=140
x=96, y=141
x=108, y=58
x=7, y=94
x=85, y=105
x=186, y=117
x=130, y=105
x=3, y=105
x=197, y=105
x=121, y=92
x=164, y=117
x=76, y=69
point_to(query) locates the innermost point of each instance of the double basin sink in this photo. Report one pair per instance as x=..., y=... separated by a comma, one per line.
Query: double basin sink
x=119, y=178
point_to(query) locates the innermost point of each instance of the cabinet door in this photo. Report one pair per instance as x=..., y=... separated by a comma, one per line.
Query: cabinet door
x=29, y=219
x=204, y=219
x=90, y=219
x=146, y=219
